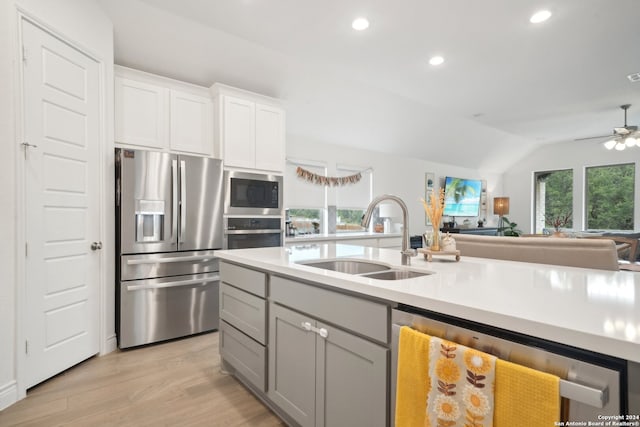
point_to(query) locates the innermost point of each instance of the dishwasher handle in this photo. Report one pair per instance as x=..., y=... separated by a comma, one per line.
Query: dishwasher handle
x=584, y=394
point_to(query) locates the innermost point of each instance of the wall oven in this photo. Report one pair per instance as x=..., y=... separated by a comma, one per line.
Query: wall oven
x=252, y=194
x=253, y=232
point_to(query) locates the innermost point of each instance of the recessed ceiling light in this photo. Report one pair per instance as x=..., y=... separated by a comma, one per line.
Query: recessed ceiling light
x=540, y=16
x=360, y=24
x=436, y=60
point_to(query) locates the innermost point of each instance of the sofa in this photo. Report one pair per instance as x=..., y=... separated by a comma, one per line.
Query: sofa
x=588, y=253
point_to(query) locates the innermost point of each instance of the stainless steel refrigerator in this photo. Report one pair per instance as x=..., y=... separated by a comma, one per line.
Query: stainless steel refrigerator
x=168, y=222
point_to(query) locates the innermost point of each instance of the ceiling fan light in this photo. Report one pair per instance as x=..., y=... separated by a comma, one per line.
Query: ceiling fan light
x=630, y=141
x=620, y=146
x=610, y=144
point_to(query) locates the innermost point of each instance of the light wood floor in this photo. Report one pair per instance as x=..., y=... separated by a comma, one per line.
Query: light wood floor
x=178, y=383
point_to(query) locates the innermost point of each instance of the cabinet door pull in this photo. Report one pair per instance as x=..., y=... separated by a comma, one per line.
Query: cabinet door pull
x=307, y=326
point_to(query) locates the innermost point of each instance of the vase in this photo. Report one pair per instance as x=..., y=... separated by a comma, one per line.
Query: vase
x=435, y=239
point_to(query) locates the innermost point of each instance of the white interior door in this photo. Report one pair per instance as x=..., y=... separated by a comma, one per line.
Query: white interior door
x=61, y=124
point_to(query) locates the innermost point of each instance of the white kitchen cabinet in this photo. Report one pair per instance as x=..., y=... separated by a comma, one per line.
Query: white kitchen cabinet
x=157, y=112
x=239, y=132
x=270, y=139
x=140, y=111
x=250, y=129
x=191, y=119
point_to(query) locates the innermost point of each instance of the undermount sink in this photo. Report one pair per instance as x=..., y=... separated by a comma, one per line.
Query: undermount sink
x=348, y=266
x=396, y=274
x=370, y=269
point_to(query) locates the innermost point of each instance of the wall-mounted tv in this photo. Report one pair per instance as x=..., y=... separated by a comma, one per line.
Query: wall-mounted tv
x=462, y=196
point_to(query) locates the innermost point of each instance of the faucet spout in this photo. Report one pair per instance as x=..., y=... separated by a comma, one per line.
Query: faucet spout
x=406, y=252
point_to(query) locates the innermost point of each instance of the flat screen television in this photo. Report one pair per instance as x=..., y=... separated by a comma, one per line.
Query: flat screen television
x=462, y=196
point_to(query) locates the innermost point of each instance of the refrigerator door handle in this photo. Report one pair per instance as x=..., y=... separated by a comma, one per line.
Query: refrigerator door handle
x=174, y=198
x=175, y=284
x=203, y=258
x=183, y=198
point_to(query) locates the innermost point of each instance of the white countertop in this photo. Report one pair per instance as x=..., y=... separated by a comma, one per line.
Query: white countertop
x=305, y=238
x=596, y=310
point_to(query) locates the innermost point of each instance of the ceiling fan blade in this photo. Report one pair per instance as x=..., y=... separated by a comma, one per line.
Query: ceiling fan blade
x=621, y=131
x=593, y=137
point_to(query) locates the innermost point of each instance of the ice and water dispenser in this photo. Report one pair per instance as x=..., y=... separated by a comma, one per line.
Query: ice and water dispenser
x=149, y=220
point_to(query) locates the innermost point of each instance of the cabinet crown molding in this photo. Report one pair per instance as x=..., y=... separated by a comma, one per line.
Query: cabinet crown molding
x=218, y=89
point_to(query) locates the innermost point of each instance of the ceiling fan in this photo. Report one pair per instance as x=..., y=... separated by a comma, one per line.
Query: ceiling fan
x=623, y=137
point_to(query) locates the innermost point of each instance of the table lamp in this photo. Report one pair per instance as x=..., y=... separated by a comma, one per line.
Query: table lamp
x=500, y=208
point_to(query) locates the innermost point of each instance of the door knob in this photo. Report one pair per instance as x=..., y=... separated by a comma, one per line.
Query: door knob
x=95, y=246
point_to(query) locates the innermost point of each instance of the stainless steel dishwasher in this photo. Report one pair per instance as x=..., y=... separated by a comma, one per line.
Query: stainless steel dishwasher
x=591, y=384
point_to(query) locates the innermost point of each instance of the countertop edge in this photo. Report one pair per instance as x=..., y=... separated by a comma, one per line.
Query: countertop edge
x=615, y=347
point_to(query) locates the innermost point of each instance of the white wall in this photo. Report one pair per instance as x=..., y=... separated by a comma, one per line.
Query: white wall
x=401, y=176
x=84, y=23
x=7, y=213
x=518, y=180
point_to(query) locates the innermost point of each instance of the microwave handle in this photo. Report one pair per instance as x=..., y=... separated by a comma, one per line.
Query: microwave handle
x=183, y=198
x=174, y=198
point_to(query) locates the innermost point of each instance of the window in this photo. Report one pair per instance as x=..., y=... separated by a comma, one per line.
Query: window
x=553, y=199
x=305, y=200
x=610, y=197
x=352, y=199
x=349, y=220
x=306, y=221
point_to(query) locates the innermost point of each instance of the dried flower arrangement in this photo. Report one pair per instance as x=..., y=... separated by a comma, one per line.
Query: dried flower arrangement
x=434, y=208
x=560, y=221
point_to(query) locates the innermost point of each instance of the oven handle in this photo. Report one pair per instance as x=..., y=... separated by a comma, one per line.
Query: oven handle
x=203, y=258
x=175, y=284
x=252, y=231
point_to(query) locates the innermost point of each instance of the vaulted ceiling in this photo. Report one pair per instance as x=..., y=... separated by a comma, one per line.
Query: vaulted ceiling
x=506, y=86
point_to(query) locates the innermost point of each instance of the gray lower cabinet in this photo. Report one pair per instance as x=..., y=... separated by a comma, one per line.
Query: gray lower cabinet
x=246, y=356
x=279, y=336
x=324, y=376
x=292, y=364
x=243, y=314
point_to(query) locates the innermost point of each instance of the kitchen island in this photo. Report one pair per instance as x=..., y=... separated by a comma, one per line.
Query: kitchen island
x=593, y=310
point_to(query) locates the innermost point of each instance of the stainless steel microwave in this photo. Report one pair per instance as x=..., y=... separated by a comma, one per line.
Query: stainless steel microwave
x=252, y=194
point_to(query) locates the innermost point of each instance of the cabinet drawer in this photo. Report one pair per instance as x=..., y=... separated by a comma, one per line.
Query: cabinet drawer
x=359, y=315
x=244, y=311
x=244, y=354
x=246, y=279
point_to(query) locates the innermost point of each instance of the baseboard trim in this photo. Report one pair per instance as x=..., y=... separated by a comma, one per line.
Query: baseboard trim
x=110, y=344
x=8, y=395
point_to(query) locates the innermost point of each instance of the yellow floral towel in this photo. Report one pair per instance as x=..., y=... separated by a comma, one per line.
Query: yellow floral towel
x=461, y=386
x=413, y=378
x=525, y=397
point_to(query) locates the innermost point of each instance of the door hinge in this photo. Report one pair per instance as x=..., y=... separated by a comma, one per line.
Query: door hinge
x=26, y=249
x=26, y=347
x=24, y=54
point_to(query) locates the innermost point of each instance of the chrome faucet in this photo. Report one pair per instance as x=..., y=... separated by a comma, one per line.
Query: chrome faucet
x=406, y=252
